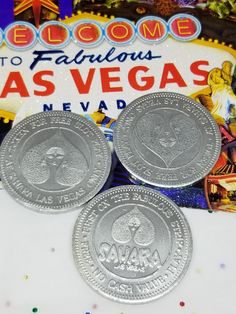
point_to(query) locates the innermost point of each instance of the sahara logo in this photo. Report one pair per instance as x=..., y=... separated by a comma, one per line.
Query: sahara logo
x=131, y=251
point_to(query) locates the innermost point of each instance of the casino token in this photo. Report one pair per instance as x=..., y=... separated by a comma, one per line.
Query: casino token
x=54, y=161
x=167, y=139
x=132, y=244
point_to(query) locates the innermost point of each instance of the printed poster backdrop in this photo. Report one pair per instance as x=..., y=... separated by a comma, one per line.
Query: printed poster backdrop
x=97, y=75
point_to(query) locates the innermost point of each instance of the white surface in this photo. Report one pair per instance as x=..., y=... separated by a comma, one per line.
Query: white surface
x=55, y=287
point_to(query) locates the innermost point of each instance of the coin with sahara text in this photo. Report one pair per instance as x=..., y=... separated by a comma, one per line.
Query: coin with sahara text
x=54, y=161
x=132, y=244
x=167, y=139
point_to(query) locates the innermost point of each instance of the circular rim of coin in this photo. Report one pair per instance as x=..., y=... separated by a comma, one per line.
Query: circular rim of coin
x=96, y=185
x=84, y=247
x=128, y=157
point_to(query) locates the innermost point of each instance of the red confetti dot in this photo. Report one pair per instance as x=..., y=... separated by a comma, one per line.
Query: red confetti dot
x=182, y=303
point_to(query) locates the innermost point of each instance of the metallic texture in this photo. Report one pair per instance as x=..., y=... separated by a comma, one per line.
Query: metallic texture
x=167, y=140
x=132, y=244
x=54, y=161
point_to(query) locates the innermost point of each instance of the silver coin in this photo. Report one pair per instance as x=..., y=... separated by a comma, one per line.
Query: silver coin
x=167, y=139
x=132, y=244
x=54, y=161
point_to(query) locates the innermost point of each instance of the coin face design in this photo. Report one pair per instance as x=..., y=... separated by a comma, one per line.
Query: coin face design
x=132, y=244
x=167, y=140
x=54, y=161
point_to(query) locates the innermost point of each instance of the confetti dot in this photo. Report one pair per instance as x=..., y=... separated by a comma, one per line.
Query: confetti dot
x=26, y=277
x=35, y=310
x=222, y=265
x=95, y=306
x=198, y=270
x=182, y=303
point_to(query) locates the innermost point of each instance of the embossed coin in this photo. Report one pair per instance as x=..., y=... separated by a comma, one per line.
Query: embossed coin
x=167, y=140
x=132, y=244
x=54, y=161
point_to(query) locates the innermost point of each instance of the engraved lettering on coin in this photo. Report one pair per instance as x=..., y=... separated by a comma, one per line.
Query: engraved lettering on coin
x=167, y=139
x=132, y=244
x=169, y=135
x=130, y=251
x=54, y=163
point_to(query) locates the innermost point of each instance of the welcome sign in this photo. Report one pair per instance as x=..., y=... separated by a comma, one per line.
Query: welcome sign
x=88, y=33
x=96, y=66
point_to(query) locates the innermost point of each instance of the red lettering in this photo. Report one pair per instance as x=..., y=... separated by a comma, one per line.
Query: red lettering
x=171, y=75
x=82, y=87
x=148, y=81
x=106, y=80
x=15, y=84
x=196, y=70
x=49, y=87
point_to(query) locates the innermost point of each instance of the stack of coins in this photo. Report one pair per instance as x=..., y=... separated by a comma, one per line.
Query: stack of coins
x=130, y=243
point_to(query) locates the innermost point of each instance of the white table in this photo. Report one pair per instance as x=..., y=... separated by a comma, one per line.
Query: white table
x=37, y=270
